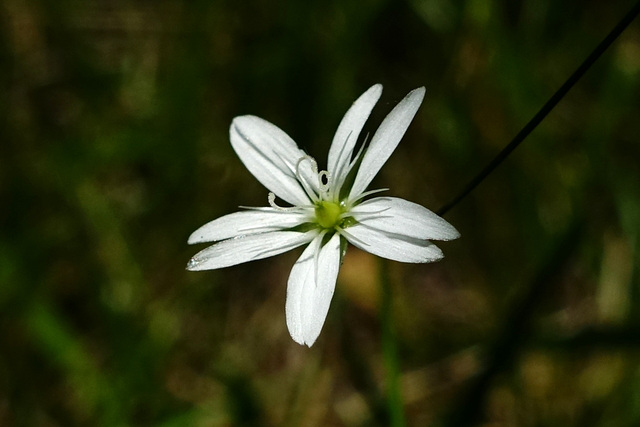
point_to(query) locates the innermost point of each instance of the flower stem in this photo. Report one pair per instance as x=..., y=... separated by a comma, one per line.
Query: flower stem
x=546, y=108
x=390, y=350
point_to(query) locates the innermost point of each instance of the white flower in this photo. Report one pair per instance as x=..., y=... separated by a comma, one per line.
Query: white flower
x=327, y=209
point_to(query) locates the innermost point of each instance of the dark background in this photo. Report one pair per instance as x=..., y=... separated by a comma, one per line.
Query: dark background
x=114, y=148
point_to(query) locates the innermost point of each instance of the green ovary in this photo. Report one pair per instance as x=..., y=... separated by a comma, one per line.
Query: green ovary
x=328, y=214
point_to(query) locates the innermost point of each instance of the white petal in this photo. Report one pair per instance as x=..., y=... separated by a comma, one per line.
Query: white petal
x=347, y=134
x=248, y=248
x=270, y=155
x=403, y=217
x=392, y=246
x=310, y=289
x=386, y=139
x=247, y=222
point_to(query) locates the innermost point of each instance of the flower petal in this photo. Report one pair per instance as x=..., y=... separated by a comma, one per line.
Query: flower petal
x=248, y=248
x=310, y=289
x=392, y=246
x=270, y=155
x=399, y=216
x=247, y=222
x=386, y=140
x=347, y=134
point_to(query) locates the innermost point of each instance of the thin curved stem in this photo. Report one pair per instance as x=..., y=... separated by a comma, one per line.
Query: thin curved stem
x=546, y=108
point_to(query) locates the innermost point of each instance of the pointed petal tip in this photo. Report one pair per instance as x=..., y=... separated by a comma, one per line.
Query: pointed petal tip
x=193, y=239
x=376, y=88
x=300, y=335
x=369, y=98
x=435, y=257
x=200, y=236
x=302, y=342
x=192, y=265
x=307, y=341
x=297, y=335
x=234, y=122
x=451, y=233
x=239, y=122
x=296, y=339
x=418, y=92
x=245, y=122
x=243, y=118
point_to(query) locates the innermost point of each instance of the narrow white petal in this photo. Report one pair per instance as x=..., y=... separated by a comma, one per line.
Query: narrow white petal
x=310, y=289
x=248, y=248
x=392, y=246
x=403, y=217
x=386, y=139
x=347, y=134
x=247, y=222
x=270, y=155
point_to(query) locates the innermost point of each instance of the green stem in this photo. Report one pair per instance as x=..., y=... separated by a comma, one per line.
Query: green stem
x=390, y=351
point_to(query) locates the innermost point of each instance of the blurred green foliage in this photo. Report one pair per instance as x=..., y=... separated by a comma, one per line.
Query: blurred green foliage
x=114, y=147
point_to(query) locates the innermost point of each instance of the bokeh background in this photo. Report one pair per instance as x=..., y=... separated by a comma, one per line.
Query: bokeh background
x=114, y=148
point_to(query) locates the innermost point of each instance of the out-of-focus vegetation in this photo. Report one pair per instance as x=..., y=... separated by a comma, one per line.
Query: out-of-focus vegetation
x=114, y=148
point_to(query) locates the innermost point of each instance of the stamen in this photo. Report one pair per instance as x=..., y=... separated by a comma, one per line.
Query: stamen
x=367, y=193
x=272, y=203
x=324, y=188
x=364, y=216
x=305, y=185
x=304, y=208
x=314, y=165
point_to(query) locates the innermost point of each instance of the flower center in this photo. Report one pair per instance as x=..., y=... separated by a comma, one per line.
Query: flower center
x=328, y=214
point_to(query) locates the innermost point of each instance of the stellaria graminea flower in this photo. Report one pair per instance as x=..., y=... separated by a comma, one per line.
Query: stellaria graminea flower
x=328, y=209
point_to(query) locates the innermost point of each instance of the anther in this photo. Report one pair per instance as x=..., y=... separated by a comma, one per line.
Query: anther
x=273, y=204
x=314, y=165
x=322, y=185
x=307, y=185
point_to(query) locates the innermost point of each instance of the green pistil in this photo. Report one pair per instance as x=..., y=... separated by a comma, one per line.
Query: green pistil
x=328, y=214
